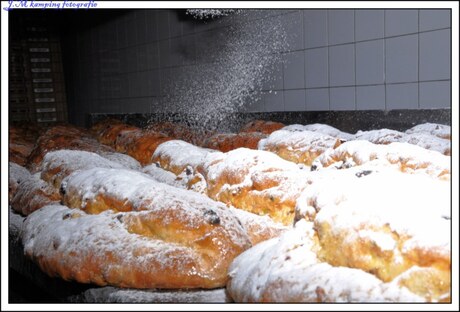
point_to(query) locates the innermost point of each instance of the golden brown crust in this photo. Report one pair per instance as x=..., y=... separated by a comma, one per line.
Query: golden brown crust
x=100, y=126
x=110, y=134
x=180, y=131
x=32, y=194
x=22, y=138
x=225, y=142
x=262, y=126
x=63, y=137
x=256, y=181
x=301, y=147
x=143, y=147
x=126, y=138
x=203, y=236
x=16, y=174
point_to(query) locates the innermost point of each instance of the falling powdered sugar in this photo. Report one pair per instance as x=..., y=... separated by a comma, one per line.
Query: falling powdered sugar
x=229, y=71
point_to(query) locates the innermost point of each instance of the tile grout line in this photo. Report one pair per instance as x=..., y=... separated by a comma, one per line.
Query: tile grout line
x=354, y=54
x=418, y=59
x=328, y=61
x=385, y=105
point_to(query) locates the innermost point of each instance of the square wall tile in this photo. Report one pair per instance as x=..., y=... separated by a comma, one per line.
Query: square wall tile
x=163, y=24
x=188, y=27
x=156, y=104
x=294, y=70
x=131, y=25
x=254, y=104
x=188, y=49
x=153, y=84
x=165, y=54
x=317, y=99
x=165, y=80
x=316, y=69
x=132, y=59
x=294, y=100
x=342, y=98
x=123, y=85
x=369, y=24
x=176, y=55
x=401, y=59
x=434, y=19
x=435, y=94
x=141, y=26
x=342, y=65
x=435, y=54
x=315, y=28
x=274, y=101
x=402, y=96
x=341, y=26
x=175, y=25
x=274, y=79
x=370, y=97
x=209, y=46
x=141, y=57
x=293, y=25
x=143, y=83
x=370, y=62
x=151, y=27
x=400, y=22
x=153, y=55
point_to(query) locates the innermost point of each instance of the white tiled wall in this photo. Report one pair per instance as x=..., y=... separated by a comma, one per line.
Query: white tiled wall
x=334, y=60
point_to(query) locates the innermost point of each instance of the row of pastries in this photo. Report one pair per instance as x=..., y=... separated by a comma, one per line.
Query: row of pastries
x=274, y=213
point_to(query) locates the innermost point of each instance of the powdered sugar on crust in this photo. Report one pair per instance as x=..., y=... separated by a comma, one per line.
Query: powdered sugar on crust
x=429, y=142
x=253, y=167
x=258, y=227
x=163, y=176
x=137, y=191
x=57, y=165
x=353, y=203
x=96, y=247
x=407, y=157
x=17, y=174
x=442, y=131
x=256, y=181
x=32, y=194
x=321, y=128
x=176, y=155
x=116, y=295
x=286, y=269
x=122, y=159
x=301, y=141
x=380, y=136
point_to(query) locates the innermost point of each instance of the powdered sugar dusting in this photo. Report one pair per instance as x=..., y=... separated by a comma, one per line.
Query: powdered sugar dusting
x=286, y=269
x=321, y=128
x=176, y=155
x=377, y=197
x=442, y=131
x=210, y=13
x=380, y=136
x=298, y=146
x=162, y=175
x=254, y=166
x=57, y=165
x=97, y=236
x=141, y=192
x=116, y=295
x=229, y=72
x=407, y=157
x=32, y=194
x=125, y=160
x=17, y=174
x=428, y=141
